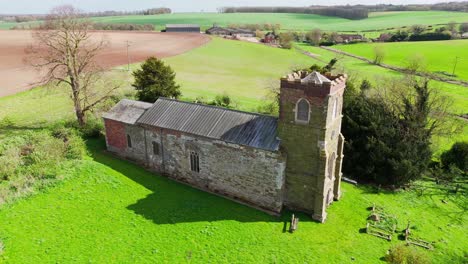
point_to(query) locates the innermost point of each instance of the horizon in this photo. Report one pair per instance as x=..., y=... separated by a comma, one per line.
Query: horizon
x=22, y=7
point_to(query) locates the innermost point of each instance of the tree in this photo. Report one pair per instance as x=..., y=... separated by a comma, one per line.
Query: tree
x=418, y=29
x=286, y=39
x=388, y=135
x=314, y=36
x=456, y=156
x=452, y=27
x=379, y=54
x=65, y=50
x=463, y=27
x=154, y=80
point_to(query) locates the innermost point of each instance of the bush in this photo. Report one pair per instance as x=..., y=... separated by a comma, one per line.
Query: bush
x=456, y=156
x=327, y=43
x=33, y=160
x=430, y=36
x=401, y=254
x=222, y=100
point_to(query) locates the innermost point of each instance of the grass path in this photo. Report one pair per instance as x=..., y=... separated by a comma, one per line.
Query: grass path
x=115, y=212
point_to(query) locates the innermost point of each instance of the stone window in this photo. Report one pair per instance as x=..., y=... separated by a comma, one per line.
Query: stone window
x=194, y=161
x=302, y=111
x=129, y=141
x=335, y=108
x=155, y=148
x=331, y=165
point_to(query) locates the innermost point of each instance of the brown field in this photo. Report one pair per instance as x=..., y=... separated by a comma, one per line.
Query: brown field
x=16, y=75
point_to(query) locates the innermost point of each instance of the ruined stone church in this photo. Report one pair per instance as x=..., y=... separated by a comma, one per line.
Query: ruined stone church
x=269, y=163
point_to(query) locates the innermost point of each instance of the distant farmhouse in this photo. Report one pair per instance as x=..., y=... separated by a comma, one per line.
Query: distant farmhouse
x=351, y=37
x=183, y=28
x=271, y=38
x=269, y=163
x=234, y=32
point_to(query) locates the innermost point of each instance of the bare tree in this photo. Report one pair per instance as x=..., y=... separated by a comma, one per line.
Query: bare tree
x=314, y=37
x=65, y=51
x=379, y=54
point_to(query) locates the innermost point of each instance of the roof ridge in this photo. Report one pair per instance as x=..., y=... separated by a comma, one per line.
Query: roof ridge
x=217, y=107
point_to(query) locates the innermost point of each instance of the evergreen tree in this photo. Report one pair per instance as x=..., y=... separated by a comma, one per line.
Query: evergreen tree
x=154, y=80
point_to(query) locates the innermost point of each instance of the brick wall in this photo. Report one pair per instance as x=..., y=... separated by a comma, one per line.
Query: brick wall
x=115, y=135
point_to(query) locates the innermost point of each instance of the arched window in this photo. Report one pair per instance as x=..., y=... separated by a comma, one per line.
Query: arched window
x=331, y=165
x=194, y=162
x=302, y=111
x=129, y=141
x=335, y=108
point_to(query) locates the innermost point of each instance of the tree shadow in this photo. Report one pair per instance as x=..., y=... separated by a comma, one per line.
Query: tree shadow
x=172, y=202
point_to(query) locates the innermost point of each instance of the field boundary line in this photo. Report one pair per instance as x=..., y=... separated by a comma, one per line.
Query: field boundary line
x=398, y=69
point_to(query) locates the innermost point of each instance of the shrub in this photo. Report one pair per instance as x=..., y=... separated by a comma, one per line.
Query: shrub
x=430, y=36
x=327, y=43
x=222, y=100
x=401, y=254
x=456, y=156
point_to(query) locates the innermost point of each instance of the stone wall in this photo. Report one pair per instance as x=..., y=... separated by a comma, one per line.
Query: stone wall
x=250, y=175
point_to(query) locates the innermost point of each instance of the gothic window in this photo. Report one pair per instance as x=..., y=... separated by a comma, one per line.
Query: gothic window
x=129, y=141
x=331, y=165
x=335, y=108
x=155, y=148
x=194, y=162
x=302, y=111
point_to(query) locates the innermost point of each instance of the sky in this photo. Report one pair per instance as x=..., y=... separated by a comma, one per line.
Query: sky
x=43, y=6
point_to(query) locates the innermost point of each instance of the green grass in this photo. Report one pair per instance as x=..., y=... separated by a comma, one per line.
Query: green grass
x=376, y=21
x=112, y=211
x=240, y=69
x=359, y=70
x=297, y=21
x=109, y=210
x=438, y=56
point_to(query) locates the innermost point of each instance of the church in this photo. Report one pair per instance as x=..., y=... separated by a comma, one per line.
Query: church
x=292, y=161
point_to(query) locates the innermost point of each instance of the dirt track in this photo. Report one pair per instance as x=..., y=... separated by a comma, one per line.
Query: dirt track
x=16, y=76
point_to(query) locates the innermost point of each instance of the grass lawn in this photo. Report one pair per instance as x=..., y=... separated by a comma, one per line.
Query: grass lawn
x=438, y=56
x=112, y=211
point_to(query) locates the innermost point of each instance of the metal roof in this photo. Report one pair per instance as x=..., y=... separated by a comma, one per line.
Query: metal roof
x=254, y=130
x=182, y=26
x=127, y=111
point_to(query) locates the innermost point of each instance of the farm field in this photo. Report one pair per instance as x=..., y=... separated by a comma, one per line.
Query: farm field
x=17, y=75
x=359, y=70
x=438, y=56
x=296, y=21
x=376, y=21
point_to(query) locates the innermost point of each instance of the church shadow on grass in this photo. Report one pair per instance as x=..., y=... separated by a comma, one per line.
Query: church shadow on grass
x=171, y=202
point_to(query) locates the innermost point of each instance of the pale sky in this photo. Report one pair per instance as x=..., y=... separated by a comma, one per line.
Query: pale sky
x=43, y=6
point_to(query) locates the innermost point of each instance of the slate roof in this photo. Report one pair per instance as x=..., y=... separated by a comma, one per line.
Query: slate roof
x=127, y=111
x=254, y=130
x=316, y=78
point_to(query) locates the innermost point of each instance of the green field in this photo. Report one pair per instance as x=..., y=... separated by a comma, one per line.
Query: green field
x=109, y=210
x=297, y=21
x=376, y=21
x=359, y=70
x=438, y=56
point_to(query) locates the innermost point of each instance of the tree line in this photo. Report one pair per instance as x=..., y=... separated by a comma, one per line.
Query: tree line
x=146, y=12
x=348, y=12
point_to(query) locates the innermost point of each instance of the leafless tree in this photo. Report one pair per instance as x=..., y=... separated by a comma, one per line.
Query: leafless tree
x=65, y=51
x=379, y=55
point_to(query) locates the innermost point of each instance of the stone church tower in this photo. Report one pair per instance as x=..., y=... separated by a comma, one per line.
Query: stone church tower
x=310, y=131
